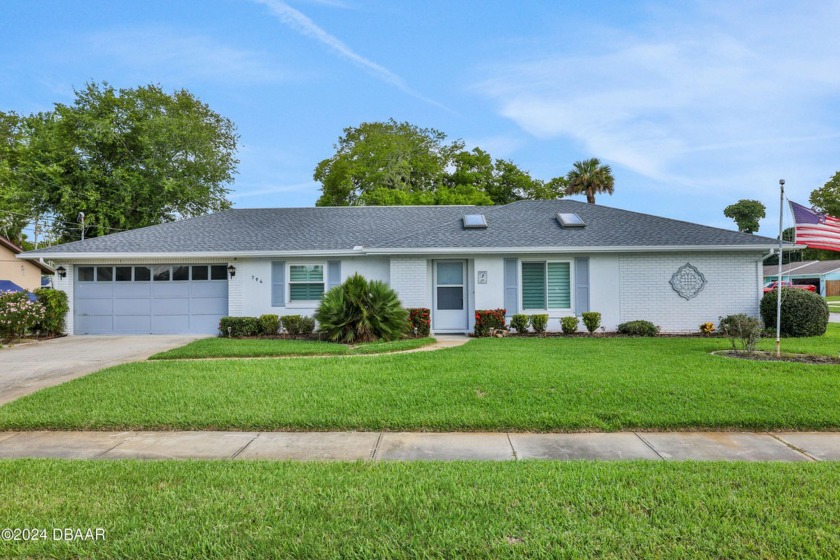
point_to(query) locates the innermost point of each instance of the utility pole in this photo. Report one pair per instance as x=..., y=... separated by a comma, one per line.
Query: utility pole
x=81, y=218
x=779, y=283
x=36, y=231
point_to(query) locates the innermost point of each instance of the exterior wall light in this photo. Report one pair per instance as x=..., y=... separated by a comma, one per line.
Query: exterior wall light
x=62, y=272
x=231, y=270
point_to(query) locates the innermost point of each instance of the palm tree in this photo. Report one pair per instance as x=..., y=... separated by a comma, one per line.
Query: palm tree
x=590, y=177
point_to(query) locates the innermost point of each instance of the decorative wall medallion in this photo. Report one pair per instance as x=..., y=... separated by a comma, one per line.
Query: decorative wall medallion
x=687, y=281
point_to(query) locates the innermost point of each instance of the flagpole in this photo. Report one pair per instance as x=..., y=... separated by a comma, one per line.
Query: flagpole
x=779, y=283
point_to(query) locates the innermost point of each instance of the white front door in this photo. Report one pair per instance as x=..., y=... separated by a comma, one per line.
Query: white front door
x=450, y=296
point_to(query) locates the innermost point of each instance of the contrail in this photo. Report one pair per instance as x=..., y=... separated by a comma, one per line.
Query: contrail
x=305, y=26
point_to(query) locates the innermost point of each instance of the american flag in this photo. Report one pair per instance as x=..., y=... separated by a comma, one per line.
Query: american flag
x=814, y=229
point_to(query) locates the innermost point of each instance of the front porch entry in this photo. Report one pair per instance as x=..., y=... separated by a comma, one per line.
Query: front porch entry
x=449, y=294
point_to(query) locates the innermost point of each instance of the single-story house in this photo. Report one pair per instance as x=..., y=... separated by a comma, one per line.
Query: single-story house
x=559, y=257
x=824, y=275
x=25, y=274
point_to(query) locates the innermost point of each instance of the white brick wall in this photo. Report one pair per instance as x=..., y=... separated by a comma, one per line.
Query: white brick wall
x=409, y=278
x=645, y=292
x=66, y=285
x=236, y=290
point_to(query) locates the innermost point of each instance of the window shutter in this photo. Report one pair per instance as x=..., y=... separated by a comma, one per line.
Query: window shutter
x=278, y=284
x=333, y=274
x=533, y=285
x=559, y=286
x=511, y=286
x=581, y=285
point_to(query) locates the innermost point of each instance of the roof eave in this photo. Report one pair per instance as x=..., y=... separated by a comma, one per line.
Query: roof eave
x=572, y=249
x=62, y=257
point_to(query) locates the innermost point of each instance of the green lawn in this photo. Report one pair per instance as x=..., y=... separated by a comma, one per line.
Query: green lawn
x=260, y=348
x=551, y=384
x=172, y=509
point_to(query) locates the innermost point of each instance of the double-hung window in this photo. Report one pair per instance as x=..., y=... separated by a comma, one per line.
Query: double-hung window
x=306, y=282
x=546, y=285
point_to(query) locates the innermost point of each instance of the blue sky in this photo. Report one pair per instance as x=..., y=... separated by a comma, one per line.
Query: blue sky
x=694, y=105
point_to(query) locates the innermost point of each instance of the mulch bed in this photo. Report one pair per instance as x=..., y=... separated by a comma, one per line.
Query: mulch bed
x=762, y=356
x=558, y=334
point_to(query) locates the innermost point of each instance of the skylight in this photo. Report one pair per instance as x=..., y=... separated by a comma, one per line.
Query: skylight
x=475, y=221
x=570, y=220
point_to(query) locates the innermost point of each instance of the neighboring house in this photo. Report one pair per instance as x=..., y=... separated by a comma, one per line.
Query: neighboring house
x=824, y=275
x=559, y=257
x=23, y=273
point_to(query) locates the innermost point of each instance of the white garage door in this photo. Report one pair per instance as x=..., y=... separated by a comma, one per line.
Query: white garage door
x=150, y=299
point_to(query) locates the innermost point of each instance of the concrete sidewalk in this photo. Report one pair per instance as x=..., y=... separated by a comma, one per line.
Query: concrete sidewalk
x=376, y=446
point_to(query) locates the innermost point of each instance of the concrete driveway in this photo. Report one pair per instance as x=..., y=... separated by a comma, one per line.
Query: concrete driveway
x=27, y=368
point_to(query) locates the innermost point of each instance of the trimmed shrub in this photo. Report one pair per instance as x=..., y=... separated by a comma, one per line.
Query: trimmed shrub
x=638, y=328
x=238, y=327
x=488, y=320
x=520, y=322
x=269, y=325
x=741, y=329
x=539, y=322
x=420, y=321
x=707, y=328
x=18, y=315
x=591, y=320
x=804, y=313
x=298, y=325
x=361, y=311
x=55, y=311
x=569, y=325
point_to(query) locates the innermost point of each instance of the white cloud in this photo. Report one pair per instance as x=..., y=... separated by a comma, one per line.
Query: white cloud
x=305, y=26
x=242, y=192
x=698, y=92
x=172, y=54
x=498, y=146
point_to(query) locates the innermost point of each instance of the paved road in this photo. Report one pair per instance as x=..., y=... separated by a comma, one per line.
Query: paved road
x=384, y=446
x=26, y=368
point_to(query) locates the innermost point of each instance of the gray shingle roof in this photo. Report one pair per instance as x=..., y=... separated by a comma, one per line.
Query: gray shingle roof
x=522, y=224
x=807, y=268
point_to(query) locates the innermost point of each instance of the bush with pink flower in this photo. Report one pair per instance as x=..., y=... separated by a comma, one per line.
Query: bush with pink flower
x=18, y=314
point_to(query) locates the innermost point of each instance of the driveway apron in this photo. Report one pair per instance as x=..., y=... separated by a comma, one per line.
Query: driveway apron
x=27, y=368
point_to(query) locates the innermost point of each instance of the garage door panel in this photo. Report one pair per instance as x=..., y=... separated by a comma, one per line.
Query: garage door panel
x=133, y=324
x=201, y=324
x=170, y=307
x=133, y=290
x=123, y=307
x=98, y=307
x=171, y=290
x=94, y=290
x=170, y=324
x=209, y=290
x=94, y=324
x=140, y=306
x=207, y=306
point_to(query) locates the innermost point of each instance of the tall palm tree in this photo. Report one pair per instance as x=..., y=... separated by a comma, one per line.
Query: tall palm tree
x=590, y=177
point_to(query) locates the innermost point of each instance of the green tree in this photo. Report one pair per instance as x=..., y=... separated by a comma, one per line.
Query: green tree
x=391, y=155
x=589, y=177
x=746, y=214
x=127, y=158
x=391, y=163
x=14, y=208
x=827, y=197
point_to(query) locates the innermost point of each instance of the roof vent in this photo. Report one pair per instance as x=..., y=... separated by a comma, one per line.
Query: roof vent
x=475, y=221
x=570, y=220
